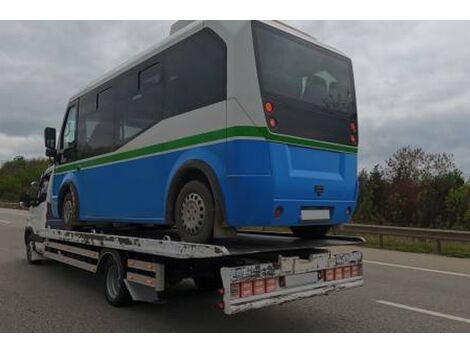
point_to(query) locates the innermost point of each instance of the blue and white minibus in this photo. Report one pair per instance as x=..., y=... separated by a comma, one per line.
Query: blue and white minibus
x=224, y=124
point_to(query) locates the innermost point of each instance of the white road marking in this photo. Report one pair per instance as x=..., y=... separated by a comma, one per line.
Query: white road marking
x=425, y=311
x=5, y=222
x=417, y=268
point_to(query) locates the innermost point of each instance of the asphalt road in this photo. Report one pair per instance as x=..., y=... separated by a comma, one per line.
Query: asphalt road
x=404, y=292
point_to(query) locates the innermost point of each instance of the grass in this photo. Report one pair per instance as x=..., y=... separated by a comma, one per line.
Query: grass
x=448, y=248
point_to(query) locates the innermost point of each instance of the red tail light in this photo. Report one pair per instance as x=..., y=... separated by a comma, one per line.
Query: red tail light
x=353, y=127
x=329, y=274
x=339, y=274
x=271, y=285
x=353, y=139
x=258, y=287
x=246, y=289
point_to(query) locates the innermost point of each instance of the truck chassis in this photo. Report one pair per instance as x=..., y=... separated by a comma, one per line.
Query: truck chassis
x=250, y=271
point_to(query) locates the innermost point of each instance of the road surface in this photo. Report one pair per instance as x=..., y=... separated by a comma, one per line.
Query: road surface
x=404, y=292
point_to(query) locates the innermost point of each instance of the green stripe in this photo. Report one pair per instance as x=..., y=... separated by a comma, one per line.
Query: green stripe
x=208, y=137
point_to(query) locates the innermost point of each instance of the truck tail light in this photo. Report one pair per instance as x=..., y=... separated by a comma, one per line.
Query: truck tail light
x=329, y=274
x=271, y=285
x=259, y=287
x=246, y=289
x=338, y=273
x=355, y=270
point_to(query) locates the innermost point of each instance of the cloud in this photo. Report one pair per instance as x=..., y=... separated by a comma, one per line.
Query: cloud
x=412, y=78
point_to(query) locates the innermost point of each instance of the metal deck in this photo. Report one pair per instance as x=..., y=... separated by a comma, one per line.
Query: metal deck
x=243, y=244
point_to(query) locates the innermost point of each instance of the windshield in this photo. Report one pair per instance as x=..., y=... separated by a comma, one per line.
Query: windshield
x=294, y=68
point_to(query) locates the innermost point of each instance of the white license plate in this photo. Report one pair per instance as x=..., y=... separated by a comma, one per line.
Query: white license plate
x=315, y=214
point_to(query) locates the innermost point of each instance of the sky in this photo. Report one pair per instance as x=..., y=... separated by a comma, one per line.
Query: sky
x=412, y=78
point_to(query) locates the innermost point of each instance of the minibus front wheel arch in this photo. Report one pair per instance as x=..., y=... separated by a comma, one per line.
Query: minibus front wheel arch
x=194, y=171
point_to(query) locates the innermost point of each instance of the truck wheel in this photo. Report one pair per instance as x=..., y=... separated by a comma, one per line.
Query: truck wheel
x=29, y=250
x=69, y=211
x=208, y=283
x=115, y=289
x=311, y=232
x=194, y=212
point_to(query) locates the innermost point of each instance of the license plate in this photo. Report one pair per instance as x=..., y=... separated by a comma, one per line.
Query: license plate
x=315, y=214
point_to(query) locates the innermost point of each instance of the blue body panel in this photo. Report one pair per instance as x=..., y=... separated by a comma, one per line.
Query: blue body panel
x=255, y=177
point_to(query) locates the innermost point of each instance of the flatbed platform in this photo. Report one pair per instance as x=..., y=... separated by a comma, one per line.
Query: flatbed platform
x=243, y=244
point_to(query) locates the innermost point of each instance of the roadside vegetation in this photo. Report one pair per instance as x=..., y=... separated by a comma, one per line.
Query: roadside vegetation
x=16, y=176
x=415, y=189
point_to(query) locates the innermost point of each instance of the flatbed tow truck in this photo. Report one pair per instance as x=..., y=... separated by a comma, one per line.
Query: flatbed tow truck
x=251, y=270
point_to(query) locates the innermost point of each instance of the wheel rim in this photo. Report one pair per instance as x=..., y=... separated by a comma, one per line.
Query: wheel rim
x=112, y=281
x=68, y=211
x=193, y=213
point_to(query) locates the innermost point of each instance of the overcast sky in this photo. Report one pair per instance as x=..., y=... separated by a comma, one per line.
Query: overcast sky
x=412, y=78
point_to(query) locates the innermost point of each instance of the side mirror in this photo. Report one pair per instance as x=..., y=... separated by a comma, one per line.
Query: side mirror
x=25, y=201
x=50, y=141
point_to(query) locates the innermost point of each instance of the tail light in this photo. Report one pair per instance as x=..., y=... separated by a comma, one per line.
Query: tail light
x=355, y=270
x=329, y=274
x=271, y=285
x=246, y=289
x=272, y=122
x=268, y=107
x=353, y=127
x=338, y=273
x=258, y=287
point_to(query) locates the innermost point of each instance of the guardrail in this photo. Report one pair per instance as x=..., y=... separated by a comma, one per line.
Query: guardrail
x=10, y=205
x=407, y=232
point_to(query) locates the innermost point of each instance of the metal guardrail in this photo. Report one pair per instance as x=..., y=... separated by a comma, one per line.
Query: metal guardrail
x=407, y=232
x=10, y=205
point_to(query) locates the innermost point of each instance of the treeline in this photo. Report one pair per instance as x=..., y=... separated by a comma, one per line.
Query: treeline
x=415, y=188
x=16, y=176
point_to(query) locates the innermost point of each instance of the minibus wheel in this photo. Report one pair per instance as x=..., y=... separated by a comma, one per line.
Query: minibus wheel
x=311, y=232
x=69, y=211
x=194, y=212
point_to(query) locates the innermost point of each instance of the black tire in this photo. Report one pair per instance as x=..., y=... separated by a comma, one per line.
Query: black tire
x=311, y=232
x=194, y=212
x=208, y=283
x=69, y=212
x=29, y=249
x=115, y=289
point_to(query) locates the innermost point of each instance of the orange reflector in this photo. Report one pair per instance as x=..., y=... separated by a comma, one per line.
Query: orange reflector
x=246, y=289
x=338, y=273
x=346, y=272
x=235, y=290
x=258, y=287
x=271, y=285
x=268, y=107
x=329, y=274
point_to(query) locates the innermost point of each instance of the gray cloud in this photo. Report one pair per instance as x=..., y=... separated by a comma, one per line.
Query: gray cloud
x=412, y=78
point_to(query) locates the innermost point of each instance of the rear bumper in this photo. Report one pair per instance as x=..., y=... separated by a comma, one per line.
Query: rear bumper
x=255, y=302
x=250, y=201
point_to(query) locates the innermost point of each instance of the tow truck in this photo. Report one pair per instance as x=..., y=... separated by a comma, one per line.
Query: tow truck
x=251, y=270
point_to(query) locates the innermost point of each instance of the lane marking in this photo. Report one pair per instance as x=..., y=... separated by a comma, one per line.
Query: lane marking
x=425, y=311
x=5, y=222
x=417, y=268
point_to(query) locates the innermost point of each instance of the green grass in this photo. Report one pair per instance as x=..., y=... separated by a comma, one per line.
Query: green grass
x=448, y=248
